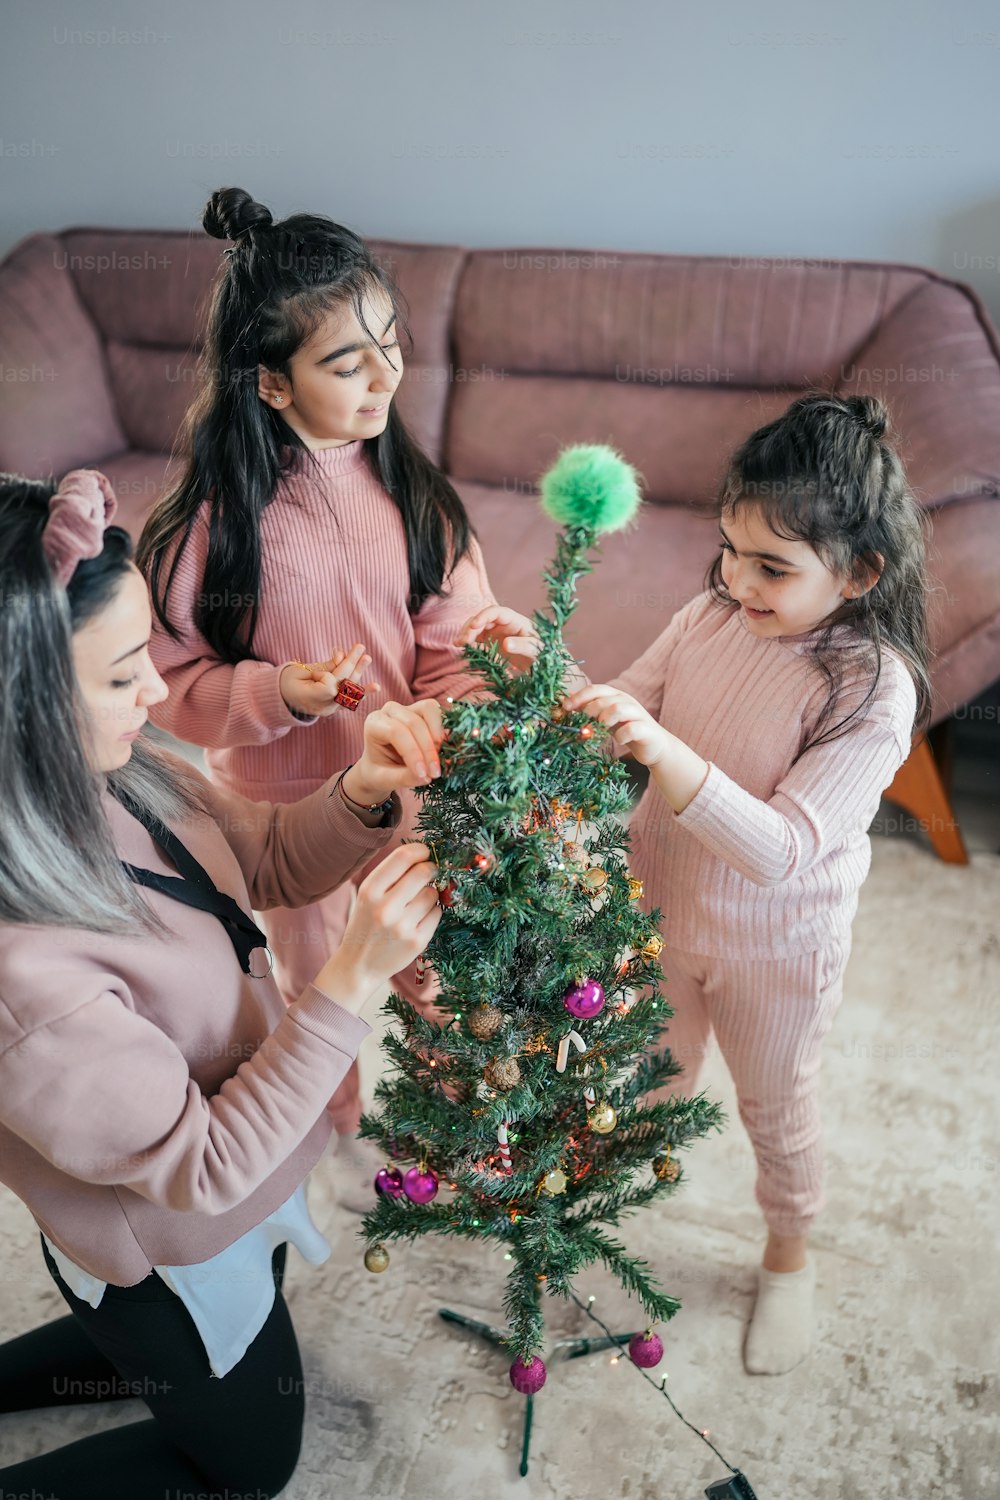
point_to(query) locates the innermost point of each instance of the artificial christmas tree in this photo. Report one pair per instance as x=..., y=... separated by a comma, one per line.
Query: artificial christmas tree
x=523, y=1110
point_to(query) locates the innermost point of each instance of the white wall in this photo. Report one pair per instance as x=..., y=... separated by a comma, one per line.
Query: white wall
x=864, y=129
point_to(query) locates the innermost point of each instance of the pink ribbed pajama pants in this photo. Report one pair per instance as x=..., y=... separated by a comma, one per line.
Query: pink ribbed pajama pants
x=770, y=1017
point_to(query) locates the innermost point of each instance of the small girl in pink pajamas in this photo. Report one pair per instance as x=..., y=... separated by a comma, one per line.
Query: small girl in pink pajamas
x=772, y=712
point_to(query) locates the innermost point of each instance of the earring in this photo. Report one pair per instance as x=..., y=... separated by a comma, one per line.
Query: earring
x=278, y=400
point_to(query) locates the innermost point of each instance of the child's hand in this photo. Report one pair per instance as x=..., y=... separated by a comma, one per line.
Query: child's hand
x=401, y=749
x=312, y=689
x=635, y=731
x=514, y=634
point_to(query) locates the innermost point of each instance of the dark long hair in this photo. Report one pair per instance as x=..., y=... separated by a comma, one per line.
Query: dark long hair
x=823, y=473
x=276, y=285
x=58, y=864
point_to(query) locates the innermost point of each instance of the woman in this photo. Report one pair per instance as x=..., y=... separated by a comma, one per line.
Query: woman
x=160, y=1108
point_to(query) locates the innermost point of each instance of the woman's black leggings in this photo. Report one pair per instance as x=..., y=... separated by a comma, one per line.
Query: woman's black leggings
x=237, y=1438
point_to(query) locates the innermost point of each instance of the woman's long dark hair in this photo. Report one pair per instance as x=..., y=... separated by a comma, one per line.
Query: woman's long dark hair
x=58, y=863
x=277, y=284
x=823, y=473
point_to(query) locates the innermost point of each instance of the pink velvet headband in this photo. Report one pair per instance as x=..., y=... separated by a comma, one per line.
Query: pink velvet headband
x=79, y=510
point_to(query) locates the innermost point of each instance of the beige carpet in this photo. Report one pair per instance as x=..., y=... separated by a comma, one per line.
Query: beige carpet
x=899, y=1398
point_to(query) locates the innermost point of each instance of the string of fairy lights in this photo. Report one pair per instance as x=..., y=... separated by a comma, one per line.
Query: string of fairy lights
x=738, y=1486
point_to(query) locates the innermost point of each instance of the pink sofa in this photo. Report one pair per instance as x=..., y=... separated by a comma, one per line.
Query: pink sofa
x=517, y=352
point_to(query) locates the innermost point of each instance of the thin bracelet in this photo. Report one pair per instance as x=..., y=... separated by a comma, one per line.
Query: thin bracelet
x=383, y=807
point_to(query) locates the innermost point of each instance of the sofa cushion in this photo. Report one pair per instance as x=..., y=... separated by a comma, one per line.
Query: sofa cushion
x=143, y=286
x=507, y=431
x=669, y=320
x=57, y=410
x=154, y=387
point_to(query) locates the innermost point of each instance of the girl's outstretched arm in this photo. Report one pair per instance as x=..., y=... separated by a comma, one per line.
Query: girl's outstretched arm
x=440, y=670
x=829, y=792
x=674, y=766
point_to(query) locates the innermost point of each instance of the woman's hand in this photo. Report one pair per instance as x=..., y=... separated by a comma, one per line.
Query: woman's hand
x=401, y=749
x=312, y=689
x=635, y=732
x=394, y=918
x=513, y=634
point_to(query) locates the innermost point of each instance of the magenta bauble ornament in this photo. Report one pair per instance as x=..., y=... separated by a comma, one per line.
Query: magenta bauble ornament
x=420, y=1185
x=389, y=1182
x=585, y=1000
x=528, y=1378
x=645, y=1350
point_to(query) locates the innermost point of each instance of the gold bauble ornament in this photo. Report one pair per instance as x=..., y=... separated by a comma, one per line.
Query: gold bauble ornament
x=502, y=1073
x=652, y=947
x=485, y=1021
x=665, y=1168
x=602, y=1118
x=554, y=1182
x=376, y=1258
x=595, y=879
x=635, y=889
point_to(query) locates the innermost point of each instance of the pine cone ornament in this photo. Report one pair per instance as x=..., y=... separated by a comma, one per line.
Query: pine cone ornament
x=502, y=1073
x=485, y=1021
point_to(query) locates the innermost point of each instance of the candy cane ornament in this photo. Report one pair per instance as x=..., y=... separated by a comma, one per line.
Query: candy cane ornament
x=562, y=1056
x=504, y=1146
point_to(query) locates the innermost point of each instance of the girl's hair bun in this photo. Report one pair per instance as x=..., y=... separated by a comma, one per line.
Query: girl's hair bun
x=230, y=212
x=872, y=413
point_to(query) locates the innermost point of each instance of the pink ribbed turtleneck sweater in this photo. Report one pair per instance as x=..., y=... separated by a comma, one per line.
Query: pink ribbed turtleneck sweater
x=334, y=572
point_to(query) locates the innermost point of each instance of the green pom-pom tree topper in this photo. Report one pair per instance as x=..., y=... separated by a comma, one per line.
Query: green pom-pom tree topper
x=590, y=486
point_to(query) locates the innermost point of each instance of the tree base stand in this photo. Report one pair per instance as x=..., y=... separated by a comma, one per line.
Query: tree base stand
x=561, y=1349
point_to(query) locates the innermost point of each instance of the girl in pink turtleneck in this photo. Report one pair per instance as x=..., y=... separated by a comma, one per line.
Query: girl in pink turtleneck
x=772, y=712
x=306, y=517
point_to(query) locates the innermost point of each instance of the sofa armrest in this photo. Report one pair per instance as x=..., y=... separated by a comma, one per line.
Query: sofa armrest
x=935, y=362
x=57, y=411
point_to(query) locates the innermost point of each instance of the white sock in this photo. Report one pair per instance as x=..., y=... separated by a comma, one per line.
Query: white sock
x=781, y=1329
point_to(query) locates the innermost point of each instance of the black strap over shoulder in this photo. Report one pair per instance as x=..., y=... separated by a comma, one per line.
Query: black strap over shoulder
x=196, y=888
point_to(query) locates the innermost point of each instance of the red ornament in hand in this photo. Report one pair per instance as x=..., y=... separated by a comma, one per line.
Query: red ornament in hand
x=349, y=694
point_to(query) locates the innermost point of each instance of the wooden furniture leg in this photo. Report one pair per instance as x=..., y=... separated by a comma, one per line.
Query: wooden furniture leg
x=919, y=789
